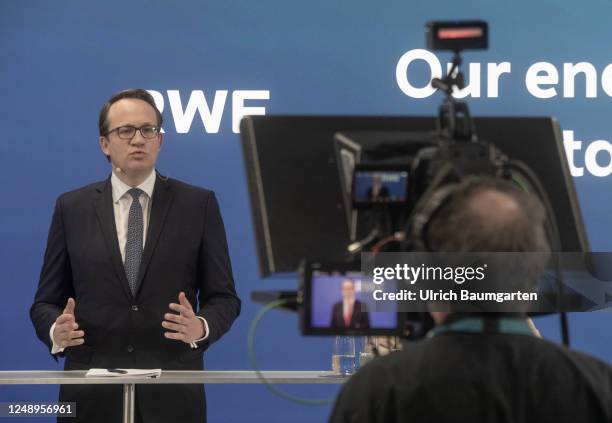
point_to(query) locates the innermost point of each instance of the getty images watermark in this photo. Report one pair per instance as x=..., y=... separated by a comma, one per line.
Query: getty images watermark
x=486, y=282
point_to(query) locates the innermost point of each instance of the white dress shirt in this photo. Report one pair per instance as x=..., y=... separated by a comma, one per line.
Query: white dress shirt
x=347, y=306
x=122, y=201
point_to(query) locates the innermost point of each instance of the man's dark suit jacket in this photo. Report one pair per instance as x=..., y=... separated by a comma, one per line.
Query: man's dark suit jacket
x=185, y=250
x=383, y=193
x=359, y=319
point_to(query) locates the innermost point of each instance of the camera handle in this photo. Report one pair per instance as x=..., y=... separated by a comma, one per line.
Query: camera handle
x=454, y=120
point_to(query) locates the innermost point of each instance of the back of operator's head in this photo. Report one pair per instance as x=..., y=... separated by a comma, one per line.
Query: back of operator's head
x=484, y=216
x=489, y=214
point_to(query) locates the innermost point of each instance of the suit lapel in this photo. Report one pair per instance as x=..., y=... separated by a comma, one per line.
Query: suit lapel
x=162, y=198
x=103, y=205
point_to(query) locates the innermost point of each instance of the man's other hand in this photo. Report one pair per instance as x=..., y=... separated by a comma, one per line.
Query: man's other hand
x=186, y=325
x=65, y=333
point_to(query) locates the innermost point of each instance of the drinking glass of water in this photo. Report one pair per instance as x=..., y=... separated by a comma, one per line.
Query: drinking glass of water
x=343, y=356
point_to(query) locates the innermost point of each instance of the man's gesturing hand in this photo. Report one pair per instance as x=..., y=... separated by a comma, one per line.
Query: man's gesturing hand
x=65, y=333
x=187, y=326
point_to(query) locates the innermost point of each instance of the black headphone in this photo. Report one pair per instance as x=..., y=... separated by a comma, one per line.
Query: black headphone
x=426, y=209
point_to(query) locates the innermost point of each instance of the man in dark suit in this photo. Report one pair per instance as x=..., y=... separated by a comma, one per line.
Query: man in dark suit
x=377, y=192
x=350, y=312
x=136, y=274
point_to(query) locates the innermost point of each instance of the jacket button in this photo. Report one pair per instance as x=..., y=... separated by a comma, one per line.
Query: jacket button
x=130, y=348
x=134, y=308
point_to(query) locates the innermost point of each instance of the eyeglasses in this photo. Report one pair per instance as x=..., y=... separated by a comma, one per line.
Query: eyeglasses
x=128, y=132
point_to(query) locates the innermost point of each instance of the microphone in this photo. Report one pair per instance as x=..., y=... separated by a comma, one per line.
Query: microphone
x=118, y=169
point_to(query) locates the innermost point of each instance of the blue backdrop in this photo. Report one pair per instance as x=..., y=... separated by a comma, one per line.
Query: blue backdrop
x=60, y=60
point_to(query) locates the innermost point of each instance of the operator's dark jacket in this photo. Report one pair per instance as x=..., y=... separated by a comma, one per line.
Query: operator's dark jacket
x=185, y=250
x=475, y=377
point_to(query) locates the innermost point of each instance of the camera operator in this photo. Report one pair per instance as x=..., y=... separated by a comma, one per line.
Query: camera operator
x=492, y=374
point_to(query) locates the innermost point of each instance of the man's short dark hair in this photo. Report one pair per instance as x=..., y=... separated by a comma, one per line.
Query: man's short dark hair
x=515, y=222
x=137, y=93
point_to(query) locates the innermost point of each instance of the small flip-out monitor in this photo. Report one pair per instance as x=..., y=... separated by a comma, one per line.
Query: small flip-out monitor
x=333, y=304
x=375, y=185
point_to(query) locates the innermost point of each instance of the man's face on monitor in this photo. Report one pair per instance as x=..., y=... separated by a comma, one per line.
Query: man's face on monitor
x=348, y=290
x=138, y=154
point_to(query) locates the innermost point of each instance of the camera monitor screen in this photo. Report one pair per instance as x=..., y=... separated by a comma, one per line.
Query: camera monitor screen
x=373, y=186
x=333, y=305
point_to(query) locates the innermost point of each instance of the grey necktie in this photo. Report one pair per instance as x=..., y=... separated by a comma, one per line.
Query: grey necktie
x=133, y=245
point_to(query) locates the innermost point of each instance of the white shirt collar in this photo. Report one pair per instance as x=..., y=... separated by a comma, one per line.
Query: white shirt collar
x=120, y=187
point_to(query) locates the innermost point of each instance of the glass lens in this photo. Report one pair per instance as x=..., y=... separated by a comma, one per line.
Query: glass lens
x=126, y=132
x=149, y=131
